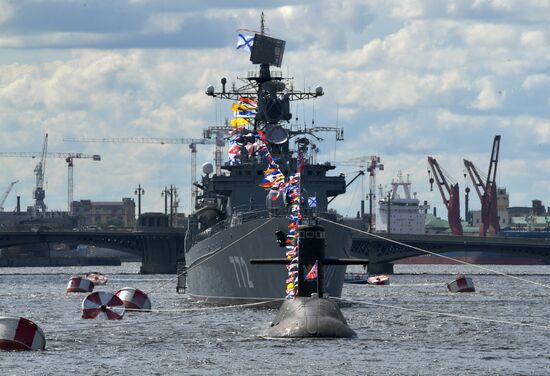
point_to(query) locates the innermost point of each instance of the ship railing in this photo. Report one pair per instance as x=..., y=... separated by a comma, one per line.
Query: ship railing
x=239, y=218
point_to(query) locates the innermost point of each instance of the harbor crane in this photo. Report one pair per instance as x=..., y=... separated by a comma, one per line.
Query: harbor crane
x=6, y=193
x=371, y=164
x=40, y=171
x=487, y=191
x=449, y=193
x=192, y=142
x=39, y=193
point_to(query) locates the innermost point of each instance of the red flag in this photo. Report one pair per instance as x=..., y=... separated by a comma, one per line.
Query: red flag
x=313, y=273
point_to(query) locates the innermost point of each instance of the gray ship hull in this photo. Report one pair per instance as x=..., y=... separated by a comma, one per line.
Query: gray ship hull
x=219, y=269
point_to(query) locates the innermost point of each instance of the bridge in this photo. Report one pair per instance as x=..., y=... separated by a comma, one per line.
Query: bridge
x=159, y=249
x=382, y=252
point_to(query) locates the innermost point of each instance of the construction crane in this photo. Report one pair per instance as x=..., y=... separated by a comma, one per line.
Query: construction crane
x=5, y=195
x=370, y=163
x=218, y=132
x=192, y=142
x=487, y=191
x=449, y=193
x=39, y=170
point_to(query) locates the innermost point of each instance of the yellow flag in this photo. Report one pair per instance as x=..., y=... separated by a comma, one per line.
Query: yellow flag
x=239, y=122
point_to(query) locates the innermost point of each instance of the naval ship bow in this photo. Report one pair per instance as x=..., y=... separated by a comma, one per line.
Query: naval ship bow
x=235, y=219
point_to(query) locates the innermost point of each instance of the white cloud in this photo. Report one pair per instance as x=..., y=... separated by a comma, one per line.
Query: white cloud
x=409, y=79
x=407, y=9
x=6, y=11
x=488, y=97
x=536, y=81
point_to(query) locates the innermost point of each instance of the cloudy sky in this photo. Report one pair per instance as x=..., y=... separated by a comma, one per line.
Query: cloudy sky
x=405, y=79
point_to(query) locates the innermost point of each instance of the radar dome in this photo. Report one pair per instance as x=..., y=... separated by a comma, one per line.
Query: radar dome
x=207, y=168
x=210, y=90
x=319, y=90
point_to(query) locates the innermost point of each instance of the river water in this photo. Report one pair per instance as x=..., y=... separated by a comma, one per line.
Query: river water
x=232, y=340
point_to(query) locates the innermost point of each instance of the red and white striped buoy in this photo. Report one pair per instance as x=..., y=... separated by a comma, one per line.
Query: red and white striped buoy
x=19, y=333
x=102, y=304
x=97, y=278
x=134, y=298
x=379, y=280
x=461, y=284
x=80, y=284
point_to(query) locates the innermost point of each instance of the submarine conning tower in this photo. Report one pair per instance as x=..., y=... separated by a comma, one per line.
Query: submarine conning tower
x=312, y=250
x=309, y=314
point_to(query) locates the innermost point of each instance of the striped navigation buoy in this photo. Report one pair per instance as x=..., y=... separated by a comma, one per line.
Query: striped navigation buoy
x=80, y=284
x=103, y=304
x=18, y=333
x=134, y=298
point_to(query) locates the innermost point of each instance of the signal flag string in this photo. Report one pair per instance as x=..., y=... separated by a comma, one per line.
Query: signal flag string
x=436, y=254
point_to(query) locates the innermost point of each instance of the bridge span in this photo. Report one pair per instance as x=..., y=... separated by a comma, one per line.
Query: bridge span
x=382, y=252
x=159, y=248
x=162, y=248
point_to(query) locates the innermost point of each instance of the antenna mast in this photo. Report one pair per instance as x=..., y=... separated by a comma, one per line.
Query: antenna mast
x=262, y=27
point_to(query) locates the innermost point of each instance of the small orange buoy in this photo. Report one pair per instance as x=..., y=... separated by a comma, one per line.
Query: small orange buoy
x=80, y=284
x=461, y=284
x=19, y=333
x=134, y=298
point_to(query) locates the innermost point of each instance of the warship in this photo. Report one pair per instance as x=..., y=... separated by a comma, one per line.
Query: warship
x=235, y=218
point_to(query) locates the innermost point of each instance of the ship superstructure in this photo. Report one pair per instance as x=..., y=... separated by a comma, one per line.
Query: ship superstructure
x=236, y=217
x=401, y=209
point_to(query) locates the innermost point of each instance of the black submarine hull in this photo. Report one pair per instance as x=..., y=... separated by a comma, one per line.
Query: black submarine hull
x=309, y=317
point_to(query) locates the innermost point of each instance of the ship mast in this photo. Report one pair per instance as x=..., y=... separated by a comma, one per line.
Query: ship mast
x=262, y=25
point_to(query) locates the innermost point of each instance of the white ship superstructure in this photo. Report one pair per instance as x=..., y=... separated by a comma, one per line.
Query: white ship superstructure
x=406, y=215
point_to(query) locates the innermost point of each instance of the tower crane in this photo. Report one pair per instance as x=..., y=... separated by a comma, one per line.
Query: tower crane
x=6, y=193
x=449, y=193
x=39, y=193
x=487, y=191
x=192, y=142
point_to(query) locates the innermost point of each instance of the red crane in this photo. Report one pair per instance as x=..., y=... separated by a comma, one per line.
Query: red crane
x=487, y=192
x=450, y=195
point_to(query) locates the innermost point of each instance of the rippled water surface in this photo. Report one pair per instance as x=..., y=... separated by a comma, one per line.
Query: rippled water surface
x=210, y=341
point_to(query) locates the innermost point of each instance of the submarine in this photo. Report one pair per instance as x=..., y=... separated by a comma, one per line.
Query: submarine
x=310, y=314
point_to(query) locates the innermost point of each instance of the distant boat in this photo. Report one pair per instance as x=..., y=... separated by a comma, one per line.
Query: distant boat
x=97, y=278
x=379, y=280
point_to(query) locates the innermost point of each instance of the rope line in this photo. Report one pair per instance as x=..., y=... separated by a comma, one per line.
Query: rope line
x=456, y=315
x=437, y=254
x=139, y=280
x=204, y=309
